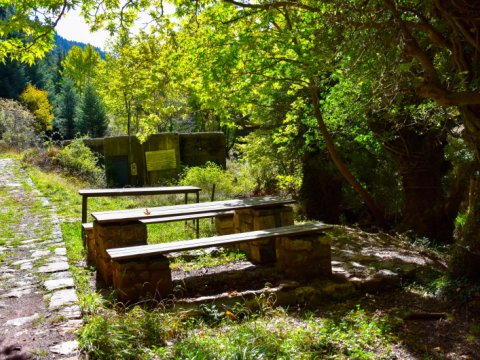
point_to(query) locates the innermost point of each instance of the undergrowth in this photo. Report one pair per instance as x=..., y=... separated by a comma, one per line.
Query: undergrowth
x=165, y=331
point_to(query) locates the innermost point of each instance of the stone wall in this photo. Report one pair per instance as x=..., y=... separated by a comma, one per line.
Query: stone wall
x=224, y=224
x=198, y=148
x=125, y=161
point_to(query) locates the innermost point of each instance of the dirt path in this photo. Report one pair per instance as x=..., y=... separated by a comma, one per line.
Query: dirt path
x=38, y=310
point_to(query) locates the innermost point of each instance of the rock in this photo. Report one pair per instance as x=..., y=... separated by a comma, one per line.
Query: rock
x=21, y=262
x=40, y=253
x=54, y=267
x=17, y=293
x=56, y=284
x=61, y=251
x=307, y=295
x=65, y=348
x=22, y=321
x=382, y=279
x=62, y=298
x=337, y=290
x=71, y=312
x=26, y=266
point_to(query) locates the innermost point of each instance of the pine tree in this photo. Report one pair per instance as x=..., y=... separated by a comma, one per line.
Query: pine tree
x=67, y=105
x=92, y=117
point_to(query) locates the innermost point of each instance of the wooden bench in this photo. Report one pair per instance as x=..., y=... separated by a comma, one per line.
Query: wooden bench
x=302, y=252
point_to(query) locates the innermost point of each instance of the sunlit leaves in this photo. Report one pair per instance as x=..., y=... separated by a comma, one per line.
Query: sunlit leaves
x=80, y=65
x=27, y=27
x=36, y=101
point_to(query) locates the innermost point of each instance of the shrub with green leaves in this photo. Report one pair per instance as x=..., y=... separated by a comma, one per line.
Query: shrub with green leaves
x=80, y=161
x=226, y=184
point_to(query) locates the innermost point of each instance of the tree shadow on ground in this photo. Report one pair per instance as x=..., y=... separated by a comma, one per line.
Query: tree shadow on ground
x=422, y=326
x=13, y=352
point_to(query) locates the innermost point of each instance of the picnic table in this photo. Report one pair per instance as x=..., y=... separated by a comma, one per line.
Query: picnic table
x=123, y=228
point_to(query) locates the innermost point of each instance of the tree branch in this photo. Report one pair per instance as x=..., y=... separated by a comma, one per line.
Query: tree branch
x=274, y=5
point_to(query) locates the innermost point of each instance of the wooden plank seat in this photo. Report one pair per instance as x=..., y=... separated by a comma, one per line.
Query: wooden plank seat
x=302, y=251
x=118, y=216
x=89, y=238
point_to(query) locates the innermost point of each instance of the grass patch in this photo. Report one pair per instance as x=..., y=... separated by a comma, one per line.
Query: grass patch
x=138, y=333
x=220, y=257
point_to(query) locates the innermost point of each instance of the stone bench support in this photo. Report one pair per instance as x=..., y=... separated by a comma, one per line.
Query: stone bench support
x=261, y=251
x=108, y=236
x=142, y=278
x=305, y=257
x=89, y=243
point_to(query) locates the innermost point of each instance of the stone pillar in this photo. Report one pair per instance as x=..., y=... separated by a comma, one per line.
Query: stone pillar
x=261, y=251
x=90, y=245
x=142, y=278
x=305, y=257
x=108, y=236
x=224, y=224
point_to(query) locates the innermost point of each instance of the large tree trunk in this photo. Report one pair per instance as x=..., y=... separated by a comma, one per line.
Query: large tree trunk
x=420, y=160
x=321, y=192
x=465, y=261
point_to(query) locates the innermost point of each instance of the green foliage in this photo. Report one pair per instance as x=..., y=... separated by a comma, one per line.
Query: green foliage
x=117, y=335
x=81, y=65
x=357, y=335
x=36, y=101
x=79, y=161
x=272, y=167
x=26, y=29
x=226, y=185
x=92, y=118
x=67, y=105
x=16, y=125
x=218, y=332
x=220, y=257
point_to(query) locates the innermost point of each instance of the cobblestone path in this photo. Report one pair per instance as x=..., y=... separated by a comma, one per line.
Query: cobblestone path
x=38, y=303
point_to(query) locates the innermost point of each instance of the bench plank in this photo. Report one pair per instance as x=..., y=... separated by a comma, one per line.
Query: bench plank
x=139, y=191
x=196, y=208
x=118, y=254
x=185, y=217
x=87, y=226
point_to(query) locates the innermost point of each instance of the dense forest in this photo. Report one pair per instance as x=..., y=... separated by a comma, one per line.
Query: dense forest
x=365, y=111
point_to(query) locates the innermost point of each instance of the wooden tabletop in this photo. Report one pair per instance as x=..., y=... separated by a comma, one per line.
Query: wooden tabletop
x=140, y=191
x=195, y=208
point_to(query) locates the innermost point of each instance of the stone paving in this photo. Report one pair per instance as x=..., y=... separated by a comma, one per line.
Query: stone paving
x=39, y=313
